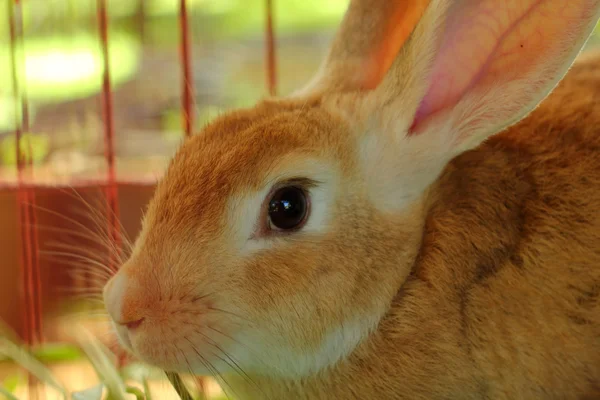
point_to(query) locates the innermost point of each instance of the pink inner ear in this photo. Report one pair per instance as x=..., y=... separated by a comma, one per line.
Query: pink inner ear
x=492, y=42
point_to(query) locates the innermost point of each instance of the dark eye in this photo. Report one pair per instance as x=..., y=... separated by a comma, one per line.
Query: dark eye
x=288, y=208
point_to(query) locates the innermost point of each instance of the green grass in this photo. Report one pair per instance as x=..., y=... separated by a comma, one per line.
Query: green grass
x=113, y=384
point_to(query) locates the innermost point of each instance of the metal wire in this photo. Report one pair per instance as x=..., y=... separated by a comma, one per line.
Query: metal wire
x=30, y=290
x=30, y=294
x=111, y=189
x=187, y=95
x=30, y=274
x=270, y=46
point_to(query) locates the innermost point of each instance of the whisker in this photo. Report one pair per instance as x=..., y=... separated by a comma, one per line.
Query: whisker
x=210, y=367
x=72, y=221
x=89, y=292
x=100, y=235
x=127, y=239
x=83, y=272
x=187, y=362
x=232, y=363
x=78, y=268
x=72, y=255
x=125, y=246
x=229, y=313
x=66, y=231
x=82, y=260
x=246, y=346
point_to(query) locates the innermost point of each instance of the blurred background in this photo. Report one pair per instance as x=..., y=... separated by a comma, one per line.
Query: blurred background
x=57, y=64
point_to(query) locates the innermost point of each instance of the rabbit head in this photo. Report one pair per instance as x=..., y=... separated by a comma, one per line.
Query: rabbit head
x=280, y=234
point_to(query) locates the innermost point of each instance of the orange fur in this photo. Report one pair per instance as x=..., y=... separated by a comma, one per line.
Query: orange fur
x=503, y=301
x=482, y=282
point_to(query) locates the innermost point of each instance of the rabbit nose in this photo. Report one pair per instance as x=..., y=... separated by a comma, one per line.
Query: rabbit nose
x=114, y=294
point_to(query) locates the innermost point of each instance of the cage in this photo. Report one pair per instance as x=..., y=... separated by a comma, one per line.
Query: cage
x=96, y=98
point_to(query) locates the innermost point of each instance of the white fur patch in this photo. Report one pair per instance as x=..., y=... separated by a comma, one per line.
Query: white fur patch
x=397, y=171
x=270, y=355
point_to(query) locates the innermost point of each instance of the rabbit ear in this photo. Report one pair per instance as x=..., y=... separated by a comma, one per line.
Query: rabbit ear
x=496, y=60
x=468, y=69
x=368, y=40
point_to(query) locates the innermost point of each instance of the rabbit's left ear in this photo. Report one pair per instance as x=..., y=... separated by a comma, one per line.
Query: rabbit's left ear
x=427, y=80
x=366, y=45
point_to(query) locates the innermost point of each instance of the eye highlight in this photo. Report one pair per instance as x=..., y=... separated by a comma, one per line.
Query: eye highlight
x=288, y=208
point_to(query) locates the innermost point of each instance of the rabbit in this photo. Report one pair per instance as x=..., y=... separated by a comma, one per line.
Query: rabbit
x=421, y=220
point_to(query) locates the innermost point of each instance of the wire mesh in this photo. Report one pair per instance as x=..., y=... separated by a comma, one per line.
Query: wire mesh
x=186, y=67
x=30, y=281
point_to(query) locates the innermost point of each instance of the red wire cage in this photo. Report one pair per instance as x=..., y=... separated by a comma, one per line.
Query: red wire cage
x=30, y=301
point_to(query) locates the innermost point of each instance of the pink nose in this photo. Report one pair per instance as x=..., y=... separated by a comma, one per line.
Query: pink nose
x=114, y=294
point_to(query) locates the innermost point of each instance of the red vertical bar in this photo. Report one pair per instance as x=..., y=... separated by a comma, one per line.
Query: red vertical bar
x=30, y=274
x=35, y=284
x=187, y=92
x=270, y=41
x=30, y=293
x=109, y=142
x=187, y=99
x=20, y=193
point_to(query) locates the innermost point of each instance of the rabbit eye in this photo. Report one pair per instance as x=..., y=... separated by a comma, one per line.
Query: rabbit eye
x=288, y=208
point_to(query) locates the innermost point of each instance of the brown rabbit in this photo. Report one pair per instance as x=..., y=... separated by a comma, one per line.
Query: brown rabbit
x=362, y=239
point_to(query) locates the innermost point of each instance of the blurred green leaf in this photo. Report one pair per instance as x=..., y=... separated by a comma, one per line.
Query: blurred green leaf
x=100, y=358
x=53, y=352
x=11, y=382
x=93, y=393
x=147, y=390
x=30, y=363
x=139, y=395
x=32, y=146
x=7, y=394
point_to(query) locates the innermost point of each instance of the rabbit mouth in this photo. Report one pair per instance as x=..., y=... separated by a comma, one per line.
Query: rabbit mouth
x=123, y=336
x=181, y=343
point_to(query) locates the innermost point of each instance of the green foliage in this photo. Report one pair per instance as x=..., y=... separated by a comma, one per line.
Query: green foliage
x=11, y=382
x=242, y=15
x=25, y=359
x=104, y=363
x=93, y=393
x=113, y=380
x=66, y=67
x=33, y=147
x=57, y=352
x=7, y=394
